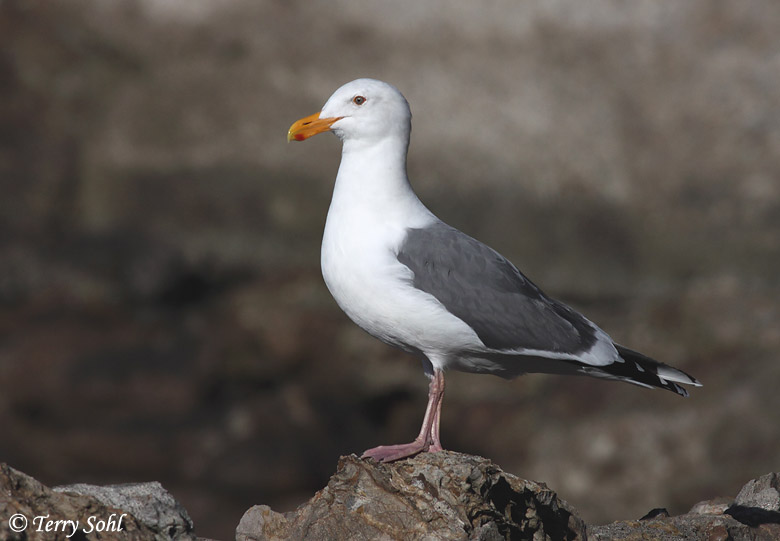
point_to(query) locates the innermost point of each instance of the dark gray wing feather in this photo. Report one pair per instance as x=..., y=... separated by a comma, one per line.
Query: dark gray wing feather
x=482, y=288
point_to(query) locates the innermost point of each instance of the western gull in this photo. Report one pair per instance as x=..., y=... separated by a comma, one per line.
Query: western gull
x=414, y=282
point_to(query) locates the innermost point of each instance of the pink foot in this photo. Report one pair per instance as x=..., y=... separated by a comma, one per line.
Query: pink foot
x=389, y=453
x=428, y=440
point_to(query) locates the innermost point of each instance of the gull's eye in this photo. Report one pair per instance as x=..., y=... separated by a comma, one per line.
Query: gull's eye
x=359, y=100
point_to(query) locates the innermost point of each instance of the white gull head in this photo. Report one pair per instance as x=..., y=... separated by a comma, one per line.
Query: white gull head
x=368, y=110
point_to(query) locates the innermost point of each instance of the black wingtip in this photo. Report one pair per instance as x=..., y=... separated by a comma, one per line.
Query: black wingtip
x=642, y=370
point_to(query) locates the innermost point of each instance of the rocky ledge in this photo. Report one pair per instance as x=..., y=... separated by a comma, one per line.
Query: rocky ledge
x=433, y=496
x=31, y=511
x=453, y=496
x=442, y=495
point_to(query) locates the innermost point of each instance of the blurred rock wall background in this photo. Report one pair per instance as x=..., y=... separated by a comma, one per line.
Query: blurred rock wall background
x=162, y=315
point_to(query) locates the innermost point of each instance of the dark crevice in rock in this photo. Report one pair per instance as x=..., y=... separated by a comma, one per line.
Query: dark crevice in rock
x=753, y=516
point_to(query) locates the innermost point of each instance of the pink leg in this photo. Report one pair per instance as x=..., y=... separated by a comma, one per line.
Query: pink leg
x=435, y=441
x=428, y=439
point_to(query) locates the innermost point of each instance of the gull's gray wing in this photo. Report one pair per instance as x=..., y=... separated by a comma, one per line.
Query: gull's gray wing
x=481, y=287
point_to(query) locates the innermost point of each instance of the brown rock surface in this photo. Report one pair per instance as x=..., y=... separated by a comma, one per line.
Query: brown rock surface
x=691, y=527
x=450, y=495
x=443, y=495
x=753, y=516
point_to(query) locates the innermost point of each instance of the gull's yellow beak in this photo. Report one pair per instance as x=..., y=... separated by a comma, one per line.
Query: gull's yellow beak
x=308, y=126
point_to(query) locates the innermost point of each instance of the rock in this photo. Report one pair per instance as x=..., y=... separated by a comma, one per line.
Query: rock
x=32, y=511
x=149, y=503
x=449, y=495
x=262, y=518
x=433, y=496
x=753, y=516
x=763, y=492
x=715, y=506
x=758, y=504
x=689, y=527
x=443, y=495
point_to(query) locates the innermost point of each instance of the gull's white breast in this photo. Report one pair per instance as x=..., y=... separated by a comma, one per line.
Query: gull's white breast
x=361, y=269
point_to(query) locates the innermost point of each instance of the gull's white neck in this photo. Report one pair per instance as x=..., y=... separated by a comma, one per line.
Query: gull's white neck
x=372, y=208
x=372, y=181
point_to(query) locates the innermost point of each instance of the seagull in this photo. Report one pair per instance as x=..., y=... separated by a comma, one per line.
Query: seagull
x=416, y=283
